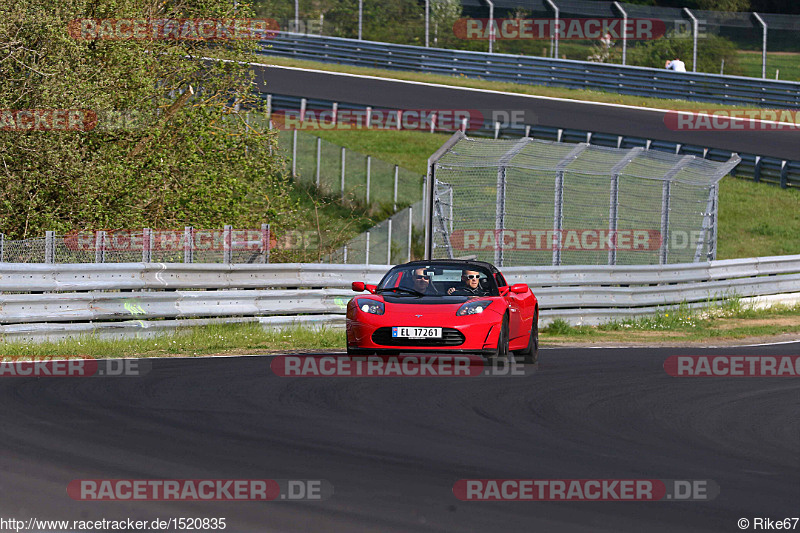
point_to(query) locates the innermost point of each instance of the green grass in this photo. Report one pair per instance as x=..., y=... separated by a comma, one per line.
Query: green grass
x=198, y=341
x=788, y=63
x=730, y=319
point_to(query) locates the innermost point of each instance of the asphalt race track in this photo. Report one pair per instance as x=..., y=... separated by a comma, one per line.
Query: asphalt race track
x=393, y=447
x=568, y=114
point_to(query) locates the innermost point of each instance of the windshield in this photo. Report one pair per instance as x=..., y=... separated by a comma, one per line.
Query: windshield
x=436, y=279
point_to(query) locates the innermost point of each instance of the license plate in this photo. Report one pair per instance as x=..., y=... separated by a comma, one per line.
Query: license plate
x=417, y=333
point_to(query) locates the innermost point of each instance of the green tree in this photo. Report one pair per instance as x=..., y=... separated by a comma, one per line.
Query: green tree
x=711, y=50
x=158, y=156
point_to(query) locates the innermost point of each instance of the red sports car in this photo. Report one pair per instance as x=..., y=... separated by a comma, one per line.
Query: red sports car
x=446, y=306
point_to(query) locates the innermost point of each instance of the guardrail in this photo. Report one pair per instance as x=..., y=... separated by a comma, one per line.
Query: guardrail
x=638, y=81
x=54, y=301
x=785, y=173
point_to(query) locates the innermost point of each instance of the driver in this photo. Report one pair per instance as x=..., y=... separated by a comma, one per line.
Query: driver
x=471, y=280
x=422, y=282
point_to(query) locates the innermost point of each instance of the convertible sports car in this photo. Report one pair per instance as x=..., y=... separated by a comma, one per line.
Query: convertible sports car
x=444, y=306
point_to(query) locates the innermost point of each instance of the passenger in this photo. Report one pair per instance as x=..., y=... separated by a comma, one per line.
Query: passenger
x=472, y=285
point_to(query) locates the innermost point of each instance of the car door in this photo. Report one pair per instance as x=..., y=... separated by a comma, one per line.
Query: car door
x=514, y=307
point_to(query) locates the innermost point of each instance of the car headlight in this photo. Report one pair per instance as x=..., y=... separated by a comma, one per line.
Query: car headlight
x=373, y=307
x=475, y=307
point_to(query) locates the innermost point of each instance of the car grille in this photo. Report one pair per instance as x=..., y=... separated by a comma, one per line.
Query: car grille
x=450, y=337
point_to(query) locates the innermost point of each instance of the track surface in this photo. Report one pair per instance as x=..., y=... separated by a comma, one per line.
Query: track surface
x=393, y=447
x=568, y=114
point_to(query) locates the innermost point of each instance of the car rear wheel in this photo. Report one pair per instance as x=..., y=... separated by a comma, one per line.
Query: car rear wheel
x=531, y=352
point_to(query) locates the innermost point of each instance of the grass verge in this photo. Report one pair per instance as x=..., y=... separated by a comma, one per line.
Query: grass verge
x=730, y=320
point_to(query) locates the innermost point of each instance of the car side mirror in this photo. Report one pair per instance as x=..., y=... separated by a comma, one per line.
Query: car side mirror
x=519, y=288
x=371, y=288
x=358, y=286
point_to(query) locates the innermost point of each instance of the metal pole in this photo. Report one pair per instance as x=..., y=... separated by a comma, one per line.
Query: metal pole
x=624, y=32
x=666, y=194
x=366, y=250
x=227, y=245
x=555, y=28
x=188, y=244
x=491, y=25
x=296, y=14
x=389, y=245
x=410, y=230
x=613, y=206
x=319, y=157
x=344, y=254
x=49, y=247
x=427, y=23
x=2, y=248
x=343, y=162
x=100, y=247
x=763, y=45
x=294, y=153
x=558, y=207
x=369, y=176
x=146, y=245
x=694, y=35
x=360, y=17
x=396, y=179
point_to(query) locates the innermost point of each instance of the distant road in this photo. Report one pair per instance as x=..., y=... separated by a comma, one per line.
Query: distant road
x=555, y=112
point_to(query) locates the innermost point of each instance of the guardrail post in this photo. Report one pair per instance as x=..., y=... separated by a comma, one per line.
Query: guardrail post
x=49, y=247
x=389, y=245
x=433, y=122
x=366, y=250
x=344, y=158
x=368, y=118
x=266, y=239
x=227, y=245
x=496, y=130
x=369, y=176
x=188, y=244
x=303, y=105
x=335, y=113
x=396, y=180
x=784, y=175
x=147, y=245
x=319, y=158
x=410, y=230
x=269, y=108
x=100, y=247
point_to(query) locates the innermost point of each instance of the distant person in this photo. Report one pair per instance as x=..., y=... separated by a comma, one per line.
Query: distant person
x=676, y=64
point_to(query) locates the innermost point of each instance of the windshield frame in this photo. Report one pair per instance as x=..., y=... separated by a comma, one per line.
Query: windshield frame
x=390, y=279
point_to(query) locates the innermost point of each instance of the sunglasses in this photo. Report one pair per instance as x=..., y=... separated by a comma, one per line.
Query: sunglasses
x=472, y=276
x=422, y=277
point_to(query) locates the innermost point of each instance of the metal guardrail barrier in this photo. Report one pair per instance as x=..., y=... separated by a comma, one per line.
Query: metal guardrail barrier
x=54, y=301
x=785, y=173
x=638, y=81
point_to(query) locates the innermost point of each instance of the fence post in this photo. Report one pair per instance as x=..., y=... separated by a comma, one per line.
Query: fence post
x=344, y=158
x=100, y=247
x=294, y=153
x=496, y=129
x=763, y=45
x=665, y=197
x=410, y=230
x=49, y=247
x=2, y=248
x=188, y=244
x=369, y=175
x=269, y=108
x=389, y=245
x=624, y=32
x=694, y=38
x=396, y=180
x=319, y=157
x=147, y=244
x=366, y=250
x=265, y=243
x=368, y=118
x=227, y=245
x=335, y=113
x=344, y=258
x=303, y=104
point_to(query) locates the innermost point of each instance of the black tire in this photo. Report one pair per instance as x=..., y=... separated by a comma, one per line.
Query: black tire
x=531, y=352
x=502, y=343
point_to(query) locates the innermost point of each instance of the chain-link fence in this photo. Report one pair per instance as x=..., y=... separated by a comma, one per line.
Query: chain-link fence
x=353, y=177
x=707, y=40
x=531, y=202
